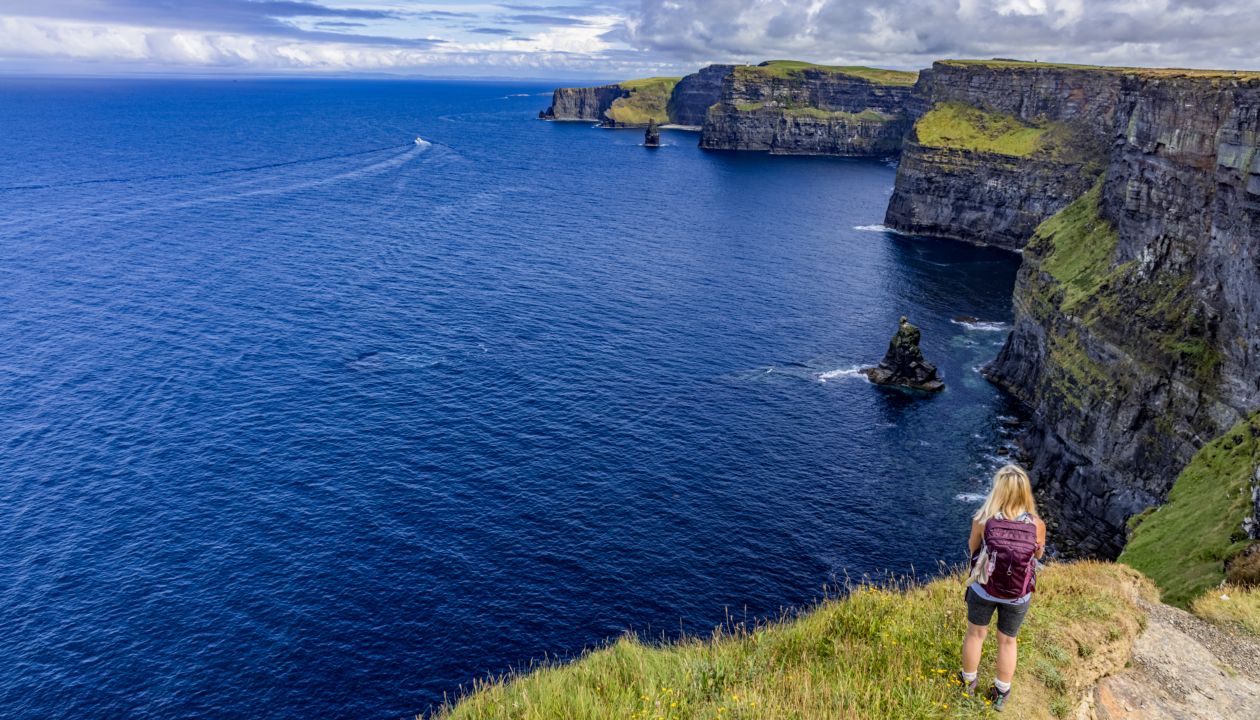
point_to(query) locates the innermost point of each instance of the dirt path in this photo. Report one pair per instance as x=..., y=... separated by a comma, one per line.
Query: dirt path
x=1182, y=669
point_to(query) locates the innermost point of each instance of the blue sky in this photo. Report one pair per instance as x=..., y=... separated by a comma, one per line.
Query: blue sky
x=605, y=38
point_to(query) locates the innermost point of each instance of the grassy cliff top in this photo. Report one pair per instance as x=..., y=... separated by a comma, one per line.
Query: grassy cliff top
x=648, y=100
x=651, y=82
x=795, y=68
x=1183, y=544
x=963, y=127
x=875, y=654
x=1142, y=71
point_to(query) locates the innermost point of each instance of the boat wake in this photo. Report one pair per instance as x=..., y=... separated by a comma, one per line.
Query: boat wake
x=208, y=173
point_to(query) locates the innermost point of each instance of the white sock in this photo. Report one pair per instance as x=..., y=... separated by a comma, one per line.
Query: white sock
x=1001, y=686
x=970, y=677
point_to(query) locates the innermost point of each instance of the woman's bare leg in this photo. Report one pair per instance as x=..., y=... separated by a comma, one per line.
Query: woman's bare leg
x=1008, y=653
x=973, y=644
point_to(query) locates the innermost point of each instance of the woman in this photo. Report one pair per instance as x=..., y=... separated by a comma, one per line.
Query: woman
x=1007, y=539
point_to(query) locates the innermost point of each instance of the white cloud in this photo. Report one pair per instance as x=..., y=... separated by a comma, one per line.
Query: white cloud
x=611, y=38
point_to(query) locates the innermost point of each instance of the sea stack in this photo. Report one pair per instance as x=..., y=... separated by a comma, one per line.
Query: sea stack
x=903, y=365
x=652, y=136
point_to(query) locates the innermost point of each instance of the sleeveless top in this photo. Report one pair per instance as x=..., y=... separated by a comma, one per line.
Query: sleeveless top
x=979, y=591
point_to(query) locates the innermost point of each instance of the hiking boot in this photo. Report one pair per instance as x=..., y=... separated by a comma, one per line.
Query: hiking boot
x=997, y=698
x=969, y=688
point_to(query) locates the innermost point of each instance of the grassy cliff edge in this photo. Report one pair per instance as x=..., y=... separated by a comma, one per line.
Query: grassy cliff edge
x=876, y=653
x=1183, y=545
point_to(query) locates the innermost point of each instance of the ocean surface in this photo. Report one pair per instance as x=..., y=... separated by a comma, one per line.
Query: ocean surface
x=301, y=418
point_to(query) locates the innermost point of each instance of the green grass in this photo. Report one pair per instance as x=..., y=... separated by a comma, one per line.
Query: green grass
x=647, y=101
x=797, y=68
x=963, y=127
x=1079, y=246
x=878, y=653
x=1184, y=544
x=868, y=115
x=1241, y=611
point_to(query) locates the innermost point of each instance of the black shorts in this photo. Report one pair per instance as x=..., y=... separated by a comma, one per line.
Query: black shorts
x=1010, y=617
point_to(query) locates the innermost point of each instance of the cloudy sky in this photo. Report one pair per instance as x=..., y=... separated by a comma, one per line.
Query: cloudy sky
x=606, y=38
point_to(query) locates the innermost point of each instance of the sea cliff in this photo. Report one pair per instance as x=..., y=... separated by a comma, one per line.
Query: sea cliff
x=779, y=106
x=633, y=103
x=589, y=103
x=999, y=147
x=695, y=93
x=803, y=109
x=1137, y=331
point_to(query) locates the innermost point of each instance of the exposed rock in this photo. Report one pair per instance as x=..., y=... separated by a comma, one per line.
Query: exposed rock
x=652, y=135
x=904, y=365
x=793, y=109
x=582, y=103
x=1182, y=669
x=954, y=190
x=694, y=94
x=1136, y=335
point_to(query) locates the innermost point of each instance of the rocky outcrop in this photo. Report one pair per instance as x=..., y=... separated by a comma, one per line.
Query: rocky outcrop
x=582, y=103
x=1030, y=139
x=695, y=93
x=904, y=365
x=652, y=136
x=1181, y=668
x=802, y=109
x=1137, y=331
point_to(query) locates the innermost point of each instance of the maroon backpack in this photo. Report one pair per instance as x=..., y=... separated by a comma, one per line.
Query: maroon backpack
x=1012, y=550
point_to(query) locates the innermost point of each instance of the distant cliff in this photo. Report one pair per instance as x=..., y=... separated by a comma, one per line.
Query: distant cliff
x=693, y=95
x=582, y=103
x=780, y=106
x=1137, y=331
x=633, y=103
x=798, y=108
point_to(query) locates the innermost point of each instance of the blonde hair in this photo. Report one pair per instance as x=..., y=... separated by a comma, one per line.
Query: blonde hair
x=1011, y=495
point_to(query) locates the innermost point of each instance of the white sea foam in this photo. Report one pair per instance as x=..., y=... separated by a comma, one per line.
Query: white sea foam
x=982, y=325
x=875, y=228
x=971, y=498
x=850, y=372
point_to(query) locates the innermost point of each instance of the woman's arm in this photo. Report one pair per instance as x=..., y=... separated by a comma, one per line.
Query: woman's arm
x=1041, y=538
x=977, y=536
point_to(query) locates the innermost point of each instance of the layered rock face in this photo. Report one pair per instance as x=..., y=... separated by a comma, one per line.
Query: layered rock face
x=971, y=169
x=694, y=94
x=582, y=103
x=795, y=108
x=1137, y=332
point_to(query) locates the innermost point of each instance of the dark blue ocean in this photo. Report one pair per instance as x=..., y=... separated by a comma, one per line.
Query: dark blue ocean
x=300, y=418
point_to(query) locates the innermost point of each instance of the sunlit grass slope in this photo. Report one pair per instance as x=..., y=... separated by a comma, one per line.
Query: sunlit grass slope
x=877, y=653
x=648, y=101
x=1183, y=545
x=960, y=126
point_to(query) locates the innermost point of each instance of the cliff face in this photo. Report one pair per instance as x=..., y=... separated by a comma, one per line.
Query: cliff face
x=694, y=94
x=796, y=108
x=1137, y=332
x=997, y=148
x=582, y=103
